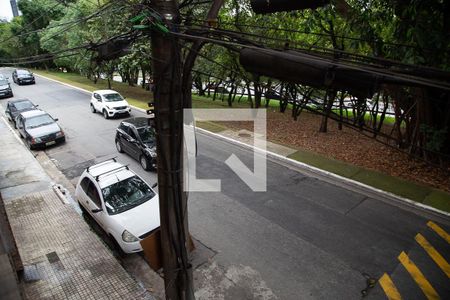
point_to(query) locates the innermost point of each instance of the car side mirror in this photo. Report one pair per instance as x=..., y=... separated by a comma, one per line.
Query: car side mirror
x=97, y=210
x=154, y=185
x=56, y=119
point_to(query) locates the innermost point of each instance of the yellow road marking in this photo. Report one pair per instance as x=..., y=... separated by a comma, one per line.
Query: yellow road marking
x=432, y=252
x=439, y=231
x=389, y=287
x=418, y=277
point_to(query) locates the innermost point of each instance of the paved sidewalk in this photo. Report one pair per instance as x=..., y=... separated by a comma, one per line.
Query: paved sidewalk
x=62, y=258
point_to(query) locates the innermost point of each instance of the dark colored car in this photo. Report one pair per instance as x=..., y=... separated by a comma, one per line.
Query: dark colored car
x=5, y=88
x=21, y=76
x=39, y=129
x=136, y=137
x=15, y=107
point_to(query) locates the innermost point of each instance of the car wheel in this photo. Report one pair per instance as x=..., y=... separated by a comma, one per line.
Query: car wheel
x=93, y=109
x=116, y=249
x=105, y=114
x=144, y=162
x=119, y=146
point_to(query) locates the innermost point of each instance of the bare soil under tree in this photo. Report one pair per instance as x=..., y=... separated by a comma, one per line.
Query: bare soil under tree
x=347, y=145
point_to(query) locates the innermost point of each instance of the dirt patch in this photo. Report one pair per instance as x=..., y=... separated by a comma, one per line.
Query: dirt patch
x=347, y=145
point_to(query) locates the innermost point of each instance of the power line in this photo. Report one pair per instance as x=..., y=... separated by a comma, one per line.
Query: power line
x=48, y=56
x=388, y=74
x=311, y=33
x=380, y=61
x=32, y=22
x=93, y=15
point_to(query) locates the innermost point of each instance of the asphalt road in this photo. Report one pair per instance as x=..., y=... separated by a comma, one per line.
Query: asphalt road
x=305, y=238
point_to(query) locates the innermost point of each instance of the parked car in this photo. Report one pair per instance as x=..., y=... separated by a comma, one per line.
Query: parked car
x=21, y=76
x=39, y=129
x=120, y=201
x=136, y=137
x=110, y=103
x=5, y=88
x=15, y=107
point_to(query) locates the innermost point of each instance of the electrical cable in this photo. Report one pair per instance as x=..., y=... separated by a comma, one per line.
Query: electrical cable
x=311, y=33
x=387, y=74
x=94, y=15
x=382, y=62
x=32, y=22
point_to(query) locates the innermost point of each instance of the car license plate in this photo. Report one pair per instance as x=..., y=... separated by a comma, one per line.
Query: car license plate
x=50, y=143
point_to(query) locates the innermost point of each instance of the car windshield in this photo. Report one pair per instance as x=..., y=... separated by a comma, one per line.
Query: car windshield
x=147, y=134
x=3, y=81
x=23, y=105
x=126, y=194
x=38, y=121
x=113, y=97
x=23, y=72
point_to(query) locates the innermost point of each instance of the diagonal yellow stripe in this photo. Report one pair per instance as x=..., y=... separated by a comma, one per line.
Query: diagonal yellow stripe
x=439, y=231
x=434, y=254
x=389, y=287
x=418, y=277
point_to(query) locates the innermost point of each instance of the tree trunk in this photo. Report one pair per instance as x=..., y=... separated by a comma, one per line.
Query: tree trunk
x=328, y=103
x=257, y=86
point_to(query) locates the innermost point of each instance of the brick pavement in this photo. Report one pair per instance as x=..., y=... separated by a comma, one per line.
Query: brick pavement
x=62, y=257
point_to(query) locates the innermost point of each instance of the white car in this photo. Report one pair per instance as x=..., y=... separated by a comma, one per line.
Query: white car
x=123, y=204
x=110, y=103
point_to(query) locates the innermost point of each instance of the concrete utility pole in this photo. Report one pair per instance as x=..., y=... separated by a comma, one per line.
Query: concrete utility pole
x=169, y=127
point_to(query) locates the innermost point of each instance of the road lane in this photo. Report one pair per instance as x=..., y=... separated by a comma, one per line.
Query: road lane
x=308, y=239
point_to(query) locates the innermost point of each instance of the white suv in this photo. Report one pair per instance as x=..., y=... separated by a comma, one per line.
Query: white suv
x=123, y=204
x=110, y=103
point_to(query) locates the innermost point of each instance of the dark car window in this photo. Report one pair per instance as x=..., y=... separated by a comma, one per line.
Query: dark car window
x=113, y=97
x=147, y=134
x=92, y=193
x=131, y=133
x=38, y=121
x=23, y=105
x=123, y=127
x=126, y=194
x=19, y=122
x=23, y=72
x=85, y=183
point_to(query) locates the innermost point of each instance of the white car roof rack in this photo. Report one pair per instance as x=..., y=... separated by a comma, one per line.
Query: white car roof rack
x=101, y=163
x=109, y=171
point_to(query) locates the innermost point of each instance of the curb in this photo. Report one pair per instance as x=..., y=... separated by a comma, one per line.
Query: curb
x=290, y=161
x=327, y=174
